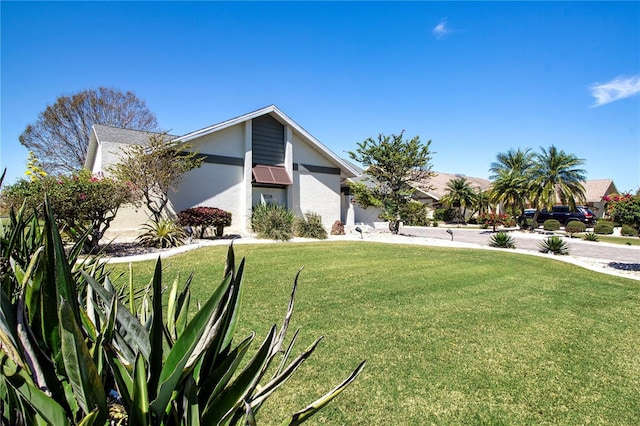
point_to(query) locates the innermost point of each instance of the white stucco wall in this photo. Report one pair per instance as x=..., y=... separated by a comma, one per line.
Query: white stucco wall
x=213, y=185
x=108, y=154
x=228, y=142
x=317, y=193
x=304, y=154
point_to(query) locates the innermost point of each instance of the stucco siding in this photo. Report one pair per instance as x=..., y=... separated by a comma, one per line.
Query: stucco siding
x=304, y=154
x=317, y=193
x=213, y=185
x=109, y=154
x=227, y=142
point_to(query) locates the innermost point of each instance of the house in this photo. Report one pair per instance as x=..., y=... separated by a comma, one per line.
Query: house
x=262, y=156
x=428, y=192
x=595, y=191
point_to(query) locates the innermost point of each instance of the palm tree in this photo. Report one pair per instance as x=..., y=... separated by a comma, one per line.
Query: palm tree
x=459, y=194
x=517, y=162
x=510, y=180
x=556, y=175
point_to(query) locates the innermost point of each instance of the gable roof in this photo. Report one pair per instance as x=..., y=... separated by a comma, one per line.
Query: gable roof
x=124, y=136
x=346, y=168
x=594, y=190
x=436, y=186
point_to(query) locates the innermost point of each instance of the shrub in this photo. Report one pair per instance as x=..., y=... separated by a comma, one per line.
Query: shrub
x=590, y=236
x=69, y=339
x=603, y=227
x=162, y=233
x=502, y=240
x=628, y=231
x=82, y=203
x=527, y=223
x=494, y=219
x=202, y=218
x=555, y=245
x=271, y=221
x=309, y=226
x=574, y=226
x=415, y=214
x=445, y=215
x=551, y=225
x=337, y=228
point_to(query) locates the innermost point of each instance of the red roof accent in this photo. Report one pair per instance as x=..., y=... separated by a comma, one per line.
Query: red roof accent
x=274, y=175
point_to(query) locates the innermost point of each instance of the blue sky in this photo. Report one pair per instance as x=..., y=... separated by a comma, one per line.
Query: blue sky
x=476, y=78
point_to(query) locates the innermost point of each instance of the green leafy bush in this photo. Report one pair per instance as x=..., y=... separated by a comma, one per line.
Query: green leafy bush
x=162, y=234
x=527, y=223
x=414, y=213
x=272, y=221
x=502, y=240
x=202, y=218
x=69, y=338
x=551, y=225
x=309, y=226
x=574, y=226
x=590, y=236
x=555, y=245
x=337, y=228
x=82, y=203
x=628, y=231
x=445, y=215
x=603, y=227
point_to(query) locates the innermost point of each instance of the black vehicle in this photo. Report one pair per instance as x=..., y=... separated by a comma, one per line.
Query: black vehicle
x=563, y=214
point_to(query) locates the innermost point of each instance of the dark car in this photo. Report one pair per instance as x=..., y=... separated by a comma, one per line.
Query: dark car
x=563, y=214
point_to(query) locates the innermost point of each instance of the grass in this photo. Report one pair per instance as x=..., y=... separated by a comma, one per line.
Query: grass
x=452, y=336
x=630, y=241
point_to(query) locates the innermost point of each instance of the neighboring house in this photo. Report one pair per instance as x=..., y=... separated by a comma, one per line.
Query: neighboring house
x=262, y=156
x=428, y=192
x=595, y=191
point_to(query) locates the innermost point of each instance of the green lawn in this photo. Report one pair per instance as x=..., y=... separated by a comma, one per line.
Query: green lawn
x=631, y=241
x=452, y=336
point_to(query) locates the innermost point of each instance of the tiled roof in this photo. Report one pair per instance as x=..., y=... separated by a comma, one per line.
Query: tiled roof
x=124, y=136
x=594, y=190
x=436, y=186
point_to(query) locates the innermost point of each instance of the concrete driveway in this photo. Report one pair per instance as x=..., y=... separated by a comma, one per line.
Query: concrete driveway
x=529, y=241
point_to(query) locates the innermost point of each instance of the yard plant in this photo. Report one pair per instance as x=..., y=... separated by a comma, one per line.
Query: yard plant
x=451, y=336
x=69, y=338
x=554, y=245
x=502, y=240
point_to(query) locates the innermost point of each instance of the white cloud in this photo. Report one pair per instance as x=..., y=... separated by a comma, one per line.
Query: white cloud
x=616, y=89
x=441, y=29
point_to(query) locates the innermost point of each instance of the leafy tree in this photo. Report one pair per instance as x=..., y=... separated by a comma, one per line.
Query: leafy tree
x=155, y=169
x=391, y=164
x=624, y=209
x=60, y=135
x=555, y=174
x=459, y=194
x=510, y=180
x=84, y=204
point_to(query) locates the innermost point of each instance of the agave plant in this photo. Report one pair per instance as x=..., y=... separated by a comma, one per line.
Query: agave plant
x=68, y=340
x=591, y=236
x=162, y=233
x=555, y=245
x=502, y=240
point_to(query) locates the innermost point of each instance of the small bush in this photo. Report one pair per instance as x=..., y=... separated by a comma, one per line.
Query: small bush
x=551, y=225
x=574, y=226
x=555, y=245
x=271, y=221
x=628, y=231
x=527, y=223
x=591, y=237
x=502, y=240
x=603, y=227
x=337, y=228
x=445, y=215
x=415, y=214
x=202, y=218
x=164, y=233
x=309, y=226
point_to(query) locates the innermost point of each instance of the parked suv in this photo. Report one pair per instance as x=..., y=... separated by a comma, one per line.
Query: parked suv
x=563, y=214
